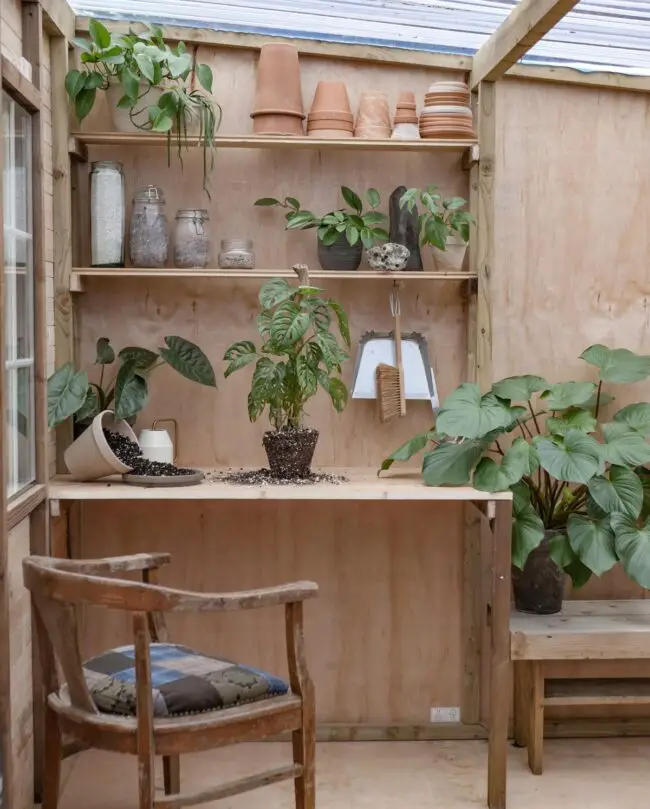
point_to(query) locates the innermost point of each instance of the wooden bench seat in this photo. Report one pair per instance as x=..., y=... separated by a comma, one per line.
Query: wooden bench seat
x=584, y=630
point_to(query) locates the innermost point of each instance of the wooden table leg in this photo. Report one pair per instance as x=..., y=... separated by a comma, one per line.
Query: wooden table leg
x=499, y=656
x=520, y=717
x=535, y=707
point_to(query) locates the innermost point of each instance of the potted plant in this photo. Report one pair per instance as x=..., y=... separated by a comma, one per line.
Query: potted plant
x=150, y=87
x=342, y=234
x=70, y=393
x=580, y=486
x=444, y=225
x=298, y=354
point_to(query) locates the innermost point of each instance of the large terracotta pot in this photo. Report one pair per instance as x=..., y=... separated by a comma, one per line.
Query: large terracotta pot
x=278, y=106
x=330, y=111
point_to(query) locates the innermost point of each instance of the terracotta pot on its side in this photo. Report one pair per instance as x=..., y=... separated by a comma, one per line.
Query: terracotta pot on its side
x=278, y=106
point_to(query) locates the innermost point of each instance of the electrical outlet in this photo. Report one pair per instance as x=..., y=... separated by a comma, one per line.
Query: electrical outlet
x=445, y=715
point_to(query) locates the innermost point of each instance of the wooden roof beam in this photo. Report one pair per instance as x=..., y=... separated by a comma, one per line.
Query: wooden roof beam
x=526, y=24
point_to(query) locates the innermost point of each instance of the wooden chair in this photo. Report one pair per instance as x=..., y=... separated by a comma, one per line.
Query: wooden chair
x=58, y=587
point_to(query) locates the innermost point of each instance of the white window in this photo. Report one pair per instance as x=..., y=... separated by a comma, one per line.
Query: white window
x=19, y=295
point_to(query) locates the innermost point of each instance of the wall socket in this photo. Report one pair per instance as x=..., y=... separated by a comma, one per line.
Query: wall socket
x=445, y=714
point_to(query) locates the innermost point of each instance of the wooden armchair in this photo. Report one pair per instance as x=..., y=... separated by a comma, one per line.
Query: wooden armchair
x=144, y=707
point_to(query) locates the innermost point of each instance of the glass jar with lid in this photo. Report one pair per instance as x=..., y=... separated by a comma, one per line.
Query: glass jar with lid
x=191, y=239
x=148, y=238
x=237, y=254
x=107, y=214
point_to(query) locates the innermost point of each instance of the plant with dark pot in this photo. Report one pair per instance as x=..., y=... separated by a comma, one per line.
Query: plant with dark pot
x=152, y=81
x=342, y=234
x=580, y=486
x=298, y=355
x=71, y=393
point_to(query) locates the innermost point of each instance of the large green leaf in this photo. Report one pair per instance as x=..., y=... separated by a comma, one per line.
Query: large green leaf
x=99, y=34
x=90, y=407
x=288, y=324
x=275, y=291
x=567, y=394
x=104, y=352
x=66, y=393
x=467, y=414
x=576, y=458
x=493, y=477
x=189, y=361
x=451, y=464
x=338, y=394
x=519, y=388
x=330, y=350
x=527, y=532
x=572, y=419
x=633, y=547
x=623, y=491
x=141, y=358
x=342, y=320
x=636, y=417
x=409, y=449
x=624, y=446
x=131, y=392
x=593, y=542
x=617, y=364
x=306, y=374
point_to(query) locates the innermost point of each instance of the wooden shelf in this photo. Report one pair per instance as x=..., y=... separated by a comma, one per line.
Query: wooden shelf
x=80, y=274
x=362, y=484
x=80, y=140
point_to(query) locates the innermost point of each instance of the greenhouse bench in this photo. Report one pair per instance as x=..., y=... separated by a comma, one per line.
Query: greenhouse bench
x=583, y=630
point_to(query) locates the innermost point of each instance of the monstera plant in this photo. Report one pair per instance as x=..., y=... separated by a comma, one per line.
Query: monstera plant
x=71, y=393
x=580, y=485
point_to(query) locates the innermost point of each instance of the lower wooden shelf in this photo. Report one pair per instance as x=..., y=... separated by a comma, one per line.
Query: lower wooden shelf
x=81, y=274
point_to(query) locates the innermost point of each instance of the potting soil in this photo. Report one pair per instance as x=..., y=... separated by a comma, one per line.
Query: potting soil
x=264, y=477
x=131, y=455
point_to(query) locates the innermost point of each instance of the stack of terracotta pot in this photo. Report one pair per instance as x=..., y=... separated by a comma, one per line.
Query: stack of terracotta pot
x=330, y=116
x=373, y=118
x=447, y=112
x=278, y=95
x=406, y=118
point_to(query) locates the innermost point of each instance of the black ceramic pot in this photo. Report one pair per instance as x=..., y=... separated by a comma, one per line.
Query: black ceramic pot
x=539, y=587
x=290, y=452
x=340, y=255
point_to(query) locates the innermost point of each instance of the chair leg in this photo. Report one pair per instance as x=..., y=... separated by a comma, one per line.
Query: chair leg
x=535, y=740
x=520, y=709
x=304, y=753
x=172, y=774
x=52, y=760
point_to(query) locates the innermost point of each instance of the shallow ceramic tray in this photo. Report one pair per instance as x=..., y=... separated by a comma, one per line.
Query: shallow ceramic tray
x=161, y=481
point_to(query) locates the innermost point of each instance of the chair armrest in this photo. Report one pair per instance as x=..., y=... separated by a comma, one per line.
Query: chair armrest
x=186, y=601
x=113, y=564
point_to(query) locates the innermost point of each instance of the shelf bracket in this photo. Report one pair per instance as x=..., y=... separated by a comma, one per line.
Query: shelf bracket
x=471, y=157
x=76, y=282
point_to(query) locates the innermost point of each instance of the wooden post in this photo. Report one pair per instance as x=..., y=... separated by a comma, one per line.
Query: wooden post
x=499, y=623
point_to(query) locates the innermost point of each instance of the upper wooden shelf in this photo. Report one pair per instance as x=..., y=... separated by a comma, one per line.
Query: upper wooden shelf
x=79, y=141
x=80, y=274
x=362, y=484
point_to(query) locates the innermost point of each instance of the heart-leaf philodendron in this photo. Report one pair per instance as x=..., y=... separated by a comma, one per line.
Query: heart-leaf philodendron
x=579, y=482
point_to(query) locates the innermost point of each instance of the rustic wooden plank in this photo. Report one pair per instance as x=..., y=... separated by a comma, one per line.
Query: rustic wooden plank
x=144, y=711
x=22, y=506
x=526, y=24
x=534, y=696
x=59, y=18
x=520, y=714
x=602, y=691
x=568, y=75
x=21, y=88
x=499, y=616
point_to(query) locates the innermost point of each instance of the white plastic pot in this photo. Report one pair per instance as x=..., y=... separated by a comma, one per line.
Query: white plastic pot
x=451, y=259
x=89, y=457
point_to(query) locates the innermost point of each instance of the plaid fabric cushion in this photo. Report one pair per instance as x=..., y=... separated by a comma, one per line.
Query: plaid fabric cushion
x=183, y=681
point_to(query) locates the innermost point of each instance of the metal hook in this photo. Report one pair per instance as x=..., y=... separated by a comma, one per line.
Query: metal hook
x=394, y=302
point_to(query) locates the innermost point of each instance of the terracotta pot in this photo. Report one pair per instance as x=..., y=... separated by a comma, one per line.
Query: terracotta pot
x=340, y=255
x=447, y=98
x=331, y=96
x=448, y=87
x=405, y=118
x=331, y=115
x=331, y=124
x=406, y=97
x=290, y=452
x=89, y=457
x=278, y=92
x=373, y=118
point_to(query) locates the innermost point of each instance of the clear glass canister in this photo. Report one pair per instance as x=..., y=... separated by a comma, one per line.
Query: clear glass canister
x=237, y=254
x=148, y=240
x=107, y=212
x=191, y=239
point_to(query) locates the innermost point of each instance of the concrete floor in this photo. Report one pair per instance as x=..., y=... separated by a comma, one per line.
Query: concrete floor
x=594, y=773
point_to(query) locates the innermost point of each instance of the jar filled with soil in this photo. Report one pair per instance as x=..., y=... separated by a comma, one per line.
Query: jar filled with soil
x=191, y=239
x=107, y=211
x=148, y=238
x=237, y=254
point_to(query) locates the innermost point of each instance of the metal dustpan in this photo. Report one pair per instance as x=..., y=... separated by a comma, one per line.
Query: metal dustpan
x=379, y=347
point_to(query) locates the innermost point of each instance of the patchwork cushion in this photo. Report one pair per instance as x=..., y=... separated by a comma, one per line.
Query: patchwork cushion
x=183, y=681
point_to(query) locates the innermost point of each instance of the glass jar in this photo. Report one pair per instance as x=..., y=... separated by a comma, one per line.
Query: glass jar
x=236, y=254
x=148, y=240
x=107, y=210
x=191, y=239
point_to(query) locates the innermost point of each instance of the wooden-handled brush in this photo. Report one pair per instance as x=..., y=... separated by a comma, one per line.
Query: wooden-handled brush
x=390, y=380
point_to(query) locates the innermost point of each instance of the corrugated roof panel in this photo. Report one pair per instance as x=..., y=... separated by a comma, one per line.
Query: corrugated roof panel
x=596, y=35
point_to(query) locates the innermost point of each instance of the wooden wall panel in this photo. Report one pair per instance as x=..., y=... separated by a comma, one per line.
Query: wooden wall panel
x=383, y=636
